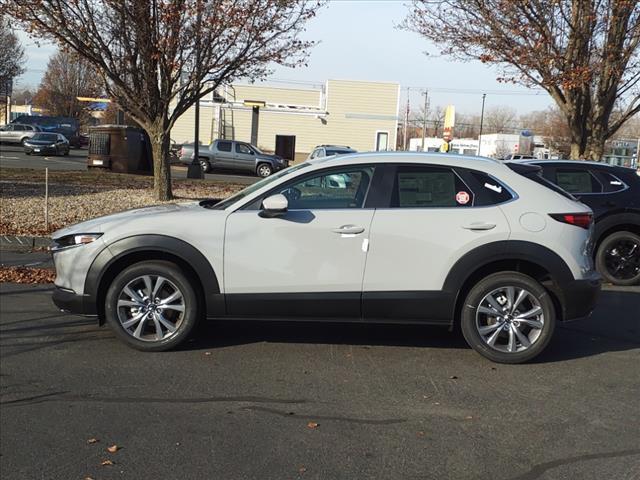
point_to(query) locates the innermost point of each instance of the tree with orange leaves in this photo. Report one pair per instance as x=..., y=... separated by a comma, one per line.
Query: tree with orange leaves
x=584, y=53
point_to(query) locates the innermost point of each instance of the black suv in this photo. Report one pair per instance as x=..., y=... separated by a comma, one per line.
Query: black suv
x=613, y=193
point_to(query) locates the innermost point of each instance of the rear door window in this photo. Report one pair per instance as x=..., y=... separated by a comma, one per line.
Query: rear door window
x=224, y=146
x=577, y=181
x=429, y=187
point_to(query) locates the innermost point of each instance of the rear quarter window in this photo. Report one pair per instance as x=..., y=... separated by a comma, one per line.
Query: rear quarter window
x=488, y=190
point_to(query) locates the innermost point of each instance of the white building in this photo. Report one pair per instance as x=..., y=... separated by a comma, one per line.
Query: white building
x=496, y=145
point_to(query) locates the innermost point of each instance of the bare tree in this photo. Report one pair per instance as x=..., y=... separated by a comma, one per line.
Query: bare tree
x=500, y=119
x=11, y=54
x=68, y=77
x=158, y=57
x=584, y=53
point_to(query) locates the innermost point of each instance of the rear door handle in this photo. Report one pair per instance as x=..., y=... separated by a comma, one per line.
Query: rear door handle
x=479, y=226
x=349, y=230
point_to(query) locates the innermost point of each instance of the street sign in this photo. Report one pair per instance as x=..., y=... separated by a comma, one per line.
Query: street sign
x=449, y=122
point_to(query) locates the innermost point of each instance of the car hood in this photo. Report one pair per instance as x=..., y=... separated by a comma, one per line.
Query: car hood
x=41, y=142
x=154, y=216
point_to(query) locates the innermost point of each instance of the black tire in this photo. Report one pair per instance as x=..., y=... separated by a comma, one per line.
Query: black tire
x=147, y=341
x=27, y=153
x=263, y=170
x=204, y=165
x=23, y=140
x=66, y=152
x=472, y=319
x=618, y=258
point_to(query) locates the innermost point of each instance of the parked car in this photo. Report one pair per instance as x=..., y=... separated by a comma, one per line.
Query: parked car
x=17, y=133
x=234, y=155
x=329, y=150
x=613, y=193
x=47, y=144
x=67, y=126
x=413, y=238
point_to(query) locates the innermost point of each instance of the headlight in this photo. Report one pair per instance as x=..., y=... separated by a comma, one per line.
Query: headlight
x=74, y=240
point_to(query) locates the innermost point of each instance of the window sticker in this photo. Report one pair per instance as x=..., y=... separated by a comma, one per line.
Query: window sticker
x=462, y=198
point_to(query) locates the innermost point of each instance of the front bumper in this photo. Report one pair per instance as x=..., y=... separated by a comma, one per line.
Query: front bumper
x=69, y=301
x=40, y=150
x=579, y=297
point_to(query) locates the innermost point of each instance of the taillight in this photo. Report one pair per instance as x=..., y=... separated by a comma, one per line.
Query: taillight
x=582, y=220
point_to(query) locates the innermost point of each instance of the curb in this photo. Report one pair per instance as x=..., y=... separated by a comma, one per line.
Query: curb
x=15, y=242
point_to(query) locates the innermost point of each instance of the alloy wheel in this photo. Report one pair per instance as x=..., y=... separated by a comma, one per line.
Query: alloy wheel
x=622, y=259
x=151, y=308
x=509, y=319
x=264, y=170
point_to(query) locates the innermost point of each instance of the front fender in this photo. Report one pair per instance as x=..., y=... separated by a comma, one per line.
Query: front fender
x=160, y=244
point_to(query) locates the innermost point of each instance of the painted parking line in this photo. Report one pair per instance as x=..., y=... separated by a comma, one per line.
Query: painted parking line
x=9, y=158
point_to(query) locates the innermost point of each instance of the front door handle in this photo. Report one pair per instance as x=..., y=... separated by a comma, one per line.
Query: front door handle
x=348, y=230
x=479, y=226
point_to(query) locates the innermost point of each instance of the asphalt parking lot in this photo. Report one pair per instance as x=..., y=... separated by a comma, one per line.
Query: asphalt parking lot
x=13, y=156
x=321, y=401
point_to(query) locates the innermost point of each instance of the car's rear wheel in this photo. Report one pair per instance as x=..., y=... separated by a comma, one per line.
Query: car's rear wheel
x=205, y=165
x=152, y=306
x=508, y=317
x=618, y=258
x=264, y=170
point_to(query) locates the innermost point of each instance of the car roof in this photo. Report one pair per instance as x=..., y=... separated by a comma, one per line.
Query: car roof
x=336, y=147
x=579, y=162
x=469, y=161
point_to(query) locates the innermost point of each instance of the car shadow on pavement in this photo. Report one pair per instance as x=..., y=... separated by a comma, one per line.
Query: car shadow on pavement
x=614, y=326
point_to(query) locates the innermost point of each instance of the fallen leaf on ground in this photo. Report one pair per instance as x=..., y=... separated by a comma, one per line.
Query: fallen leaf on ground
x=91, y=441
x=88, y=478
x=113, y=448
x=420, y=434
x=453, y=377
x=301, y=470
x=313, y=425
x=105, y=463
x=26, y=275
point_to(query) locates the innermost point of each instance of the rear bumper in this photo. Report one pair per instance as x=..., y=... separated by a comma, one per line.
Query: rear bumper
x=70, y=301
x=579, y=297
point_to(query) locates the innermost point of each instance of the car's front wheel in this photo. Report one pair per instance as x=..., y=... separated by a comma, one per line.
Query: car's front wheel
x=264, y=170
x=205, y=165
x=618, y=258
x=152, y=306
x=508, y=317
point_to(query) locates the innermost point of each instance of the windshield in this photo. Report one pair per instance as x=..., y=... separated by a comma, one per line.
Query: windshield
x=257, y=150
x=49, y=137
x=255, y=187
x=338, y=152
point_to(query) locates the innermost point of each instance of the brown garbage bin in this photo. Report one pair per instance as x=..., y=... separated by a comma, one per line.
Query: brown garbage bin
x=120, y=148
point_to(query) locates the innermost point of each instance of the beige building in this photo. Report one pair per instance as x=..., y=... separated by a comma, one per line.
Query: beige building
x=362, y=115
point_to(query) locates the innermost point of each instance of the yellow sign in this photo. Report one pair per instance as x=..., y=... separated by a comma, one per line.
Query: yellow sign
x=444, y=148
x=449, y=122
x=254, y=103
x=90, y=99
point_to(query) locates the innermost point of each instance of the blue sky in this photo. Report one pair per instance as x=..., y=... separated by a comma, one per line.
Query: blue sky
x=359, y=40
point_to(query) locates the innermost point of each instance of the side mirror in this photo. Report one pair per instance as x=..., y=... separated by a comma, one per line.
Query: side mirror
x=274, y=206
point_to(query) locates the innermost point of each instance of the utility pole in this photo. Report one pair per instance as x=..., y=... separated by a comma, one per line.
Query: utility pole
x=406, y=124
x=484, y=95
x=424, y=117
x=195, y=170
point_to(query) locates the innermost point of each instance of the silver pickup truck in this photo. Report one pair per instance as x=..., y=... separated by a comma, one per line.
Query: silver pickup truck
x=233, y=155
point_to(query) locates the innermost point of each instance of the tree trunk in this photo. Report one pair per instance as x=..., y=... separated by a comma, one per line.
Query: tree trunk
x=596, y=148
x=160, y=142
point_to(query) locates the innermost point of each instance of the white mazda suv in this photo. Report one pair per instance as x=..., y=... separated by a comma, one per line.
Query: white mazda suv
x=401, y=238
